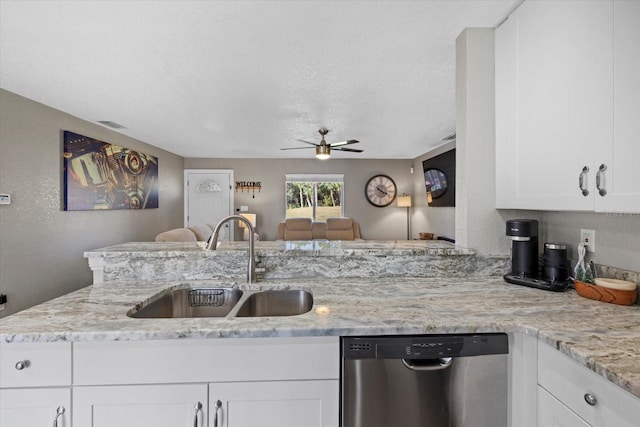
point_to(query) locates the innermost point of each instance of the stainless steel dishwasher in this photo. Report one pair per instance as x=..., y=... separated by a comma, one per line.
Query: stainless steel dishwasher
x=425, y=381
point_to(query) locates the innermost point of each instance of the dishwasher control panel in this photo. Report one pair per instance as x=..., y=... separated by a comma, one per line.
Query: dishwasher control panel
x=424, y=346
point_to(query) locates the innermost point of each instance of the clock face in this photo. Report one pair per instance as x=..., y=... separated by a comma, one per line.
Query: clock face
x=380, y=191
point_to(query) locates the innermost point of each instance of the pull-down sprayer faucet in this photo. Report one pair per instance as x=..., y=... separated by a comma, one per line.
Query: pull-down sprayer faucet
x=213, y=243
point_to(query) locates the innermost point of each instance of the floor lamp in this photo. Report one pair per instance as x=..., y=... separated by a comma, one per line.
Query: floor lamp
x=404, y=201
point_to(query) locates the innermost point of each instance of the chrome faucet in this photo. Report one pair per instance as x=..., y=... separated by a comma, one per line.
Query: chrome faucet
x=213, y=243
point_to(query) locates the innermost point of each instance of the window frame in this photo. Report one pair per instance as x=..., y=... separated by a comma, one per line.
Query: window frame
x=315, y=179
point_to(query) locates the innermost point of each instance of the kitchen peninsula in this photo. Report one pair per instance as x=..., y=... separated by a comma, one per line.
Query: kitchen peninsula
x=97, y=350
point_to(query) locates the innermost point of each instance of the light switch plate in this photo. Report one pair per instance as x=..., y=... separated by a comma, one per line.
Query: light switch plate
x=5, y=199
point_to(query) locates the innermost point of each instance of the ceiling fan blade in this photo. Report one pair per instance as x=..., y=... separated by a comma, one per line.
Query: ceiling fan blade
x=354, y=150
x=338, y=144
x=306, y=142
x=296, y=148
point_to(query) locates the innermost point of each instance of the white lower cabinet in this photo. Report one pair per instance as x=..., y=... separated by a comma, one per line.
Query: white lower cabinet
x=552, y=413
x=141, y=406
x=569, y=395
x=35, y=407
x=274, y=403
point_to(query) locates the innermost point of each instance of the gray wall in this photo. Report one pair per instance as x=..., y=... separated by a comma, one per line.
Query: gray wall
x=389, y=223
x=41, y=246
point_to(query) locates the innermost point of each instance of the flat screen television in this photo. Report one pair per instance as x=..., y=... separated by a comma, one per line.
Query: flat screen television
x=440, y=179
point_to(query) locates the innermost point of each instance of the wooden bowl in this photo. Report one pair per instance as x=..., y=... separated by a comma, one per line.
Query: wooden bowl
x=600, y=293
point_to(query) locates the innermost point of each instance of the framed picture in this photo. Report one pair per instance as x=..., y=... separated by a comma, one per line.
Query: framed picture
x=99, y=175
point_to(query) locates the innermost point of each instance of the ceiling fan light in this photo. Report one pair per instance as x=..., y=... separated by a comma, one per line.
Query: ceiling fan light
x=323, y=152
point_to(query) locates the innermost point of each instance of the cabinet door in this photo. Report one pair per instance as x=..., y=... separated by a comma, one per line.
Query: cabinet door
x=621, y=179
x=35, y=407
x=553, y=102
x=277, y=403
x=140, y=406
x=552, y=413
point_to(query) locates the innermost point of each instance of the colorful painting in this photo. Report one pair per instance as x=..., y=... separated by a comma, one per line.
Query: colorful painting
x=98, y=175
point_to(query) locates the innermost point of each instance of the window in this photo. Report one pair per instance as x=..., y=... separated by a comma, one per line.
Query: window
x=314, y=196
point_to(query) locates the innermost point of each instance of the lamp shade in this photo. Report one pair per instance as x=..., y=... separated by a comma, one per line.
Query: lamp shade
x=249, y=216
x=404, y=201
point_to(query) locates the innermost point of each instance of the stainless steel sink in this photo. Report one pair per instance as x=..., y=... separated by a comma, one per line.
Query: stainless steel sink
x=223, y=302
x=185, y=302
x=276, y=303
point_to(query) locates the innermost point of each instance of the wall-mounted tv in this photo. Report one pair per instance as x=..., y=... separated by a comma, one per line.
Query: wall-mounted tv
x=440, y=179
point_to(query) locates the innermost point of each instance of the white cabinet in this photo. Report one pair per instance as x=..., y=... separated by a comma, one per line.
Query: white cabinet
x=276, y=403
x=553, y=413
x=582, y=393
x=567, y=102
x=35, y=407
x=621, y=180
x=259, y=381
x=141, y=406
x=35, y=384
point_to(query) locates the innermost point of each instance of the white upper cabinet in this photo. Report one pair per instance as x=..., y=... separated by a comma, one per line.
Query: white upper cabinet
x=555, y=116
x=621, y=179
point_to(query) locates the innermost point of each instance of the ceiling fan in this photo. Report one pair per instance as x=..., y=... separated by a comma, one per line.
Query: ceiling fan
x=323, y=150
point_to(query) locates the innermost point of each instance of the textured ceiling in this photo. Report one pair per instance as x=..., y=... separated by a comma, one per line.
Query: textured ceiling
x=243, y=79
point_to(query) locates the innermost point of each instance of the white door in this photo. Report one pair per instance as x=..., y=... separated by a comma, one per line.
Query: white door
x=209, y=198
x=275, y=403
x=140, y=406
x=553, y=102
x=35, y=407
x=621, y=179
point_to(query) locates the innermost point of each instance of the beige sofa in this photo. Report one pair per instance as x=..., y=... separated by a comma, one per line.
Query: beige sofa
x=195, y=233
x=332, y=229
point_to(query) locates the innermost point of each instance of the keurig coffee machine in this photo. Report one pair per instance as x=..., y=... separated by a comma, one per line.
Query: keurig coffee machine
x=524, y=258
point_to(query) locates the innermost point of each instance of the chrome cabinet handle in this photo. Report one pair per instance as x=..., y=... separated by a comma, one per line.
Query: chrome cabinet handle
x=59, y=413
x=22, y=364
x=198, y=409
x=600, y=180
x=590, y=399
x=582, y=179
x=215, y=418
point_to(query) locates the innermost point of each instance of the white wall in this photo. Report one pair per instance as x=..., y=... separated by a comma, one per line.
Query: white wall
x=42, y=246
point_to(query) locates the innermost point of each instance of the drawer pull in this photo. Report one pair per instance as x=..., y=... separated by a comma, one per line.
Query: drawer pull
x=22, y=364
x=590, y=399
x=59, y=413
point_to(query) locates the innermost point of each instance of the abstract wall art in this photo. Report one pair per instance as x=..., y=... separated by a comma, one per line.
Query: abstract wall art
x=99, y=175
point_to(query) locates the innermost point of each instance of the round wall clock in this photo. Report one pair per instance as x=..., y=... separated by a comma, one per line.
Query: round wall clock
x=380, y=191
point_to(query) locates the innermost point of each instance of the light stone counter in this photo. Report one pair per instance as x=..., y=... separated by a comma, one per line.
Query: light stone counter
x=603, y=337
x=282, y=260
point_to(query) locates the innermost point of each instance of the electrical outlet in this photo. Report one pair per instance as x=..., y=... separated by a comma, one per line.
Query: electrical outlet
x=588, y=237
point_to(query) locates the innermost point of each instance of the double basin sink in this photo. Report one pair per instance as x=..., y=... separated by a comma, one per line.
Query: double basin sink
x=224, y=302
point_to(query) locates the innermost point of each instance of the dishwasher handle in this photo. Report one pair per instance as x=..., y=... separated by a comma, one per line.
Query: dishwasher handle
x=428, y=364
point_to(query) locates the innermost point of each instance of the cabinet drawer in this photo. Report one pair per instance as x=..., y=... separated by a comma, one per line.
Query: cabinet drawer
x=569, y=381
x=44, y=364
x=206, y=360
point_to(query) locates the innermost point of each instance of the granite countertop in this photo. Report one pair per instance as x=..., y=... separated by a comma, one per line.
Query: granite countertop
x=280, y=247
x=603, y=337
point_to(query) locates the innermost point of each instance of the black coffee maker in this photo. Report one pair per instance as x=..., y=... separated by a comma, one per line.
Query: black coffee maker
x=525, y=270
